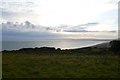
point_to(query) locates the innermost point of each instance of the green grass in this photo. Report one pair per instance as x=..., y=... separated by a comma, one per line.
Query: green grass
x=59, y=66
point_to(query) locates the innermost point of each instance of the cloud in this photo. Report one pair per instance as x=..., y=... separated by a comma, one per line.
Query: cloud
x=22, y=27
x=17, y=4
x=12, y=35
x=81, y=27
x=114, y=2
x=90, y=24
x=17, y=11
x=28, y=26
x=52, y=13
x=9, y=14
x=47, y=15
x=29, y=31
x=87, y=24
x=76, y=31
x=36, y=36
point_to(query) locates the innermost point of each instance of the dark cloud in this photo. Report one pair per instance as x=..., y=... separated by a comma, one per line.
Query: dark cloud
x=75, y=31
x=79, y=31
x=10, y=26
x=87, y=31
x=81, y=27
x=14, y=15
x=87, y=24
x=25, y=31
x=28, y=26
x=30, y=32
x=7, y=14
x=28, y=36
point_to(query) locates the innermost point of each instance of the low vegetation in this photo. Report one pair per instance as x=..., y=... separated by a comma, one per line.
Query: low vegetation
x=45, y=62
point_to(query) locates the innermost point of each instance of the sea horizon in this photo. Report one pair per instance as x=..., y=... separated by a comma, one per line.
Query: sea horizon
x=57, y=43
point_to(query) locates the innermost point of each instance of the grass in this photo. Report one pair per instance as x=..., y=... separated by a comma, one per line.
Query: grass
x=59, y=66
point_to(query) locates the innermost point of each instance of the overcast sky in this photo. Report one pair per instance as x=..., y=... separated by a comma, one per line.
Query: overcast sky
x=59, y=19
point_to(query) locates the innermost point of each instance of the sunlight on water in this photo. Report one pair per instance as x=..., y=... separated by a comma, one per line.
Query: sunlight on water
x=63, y=44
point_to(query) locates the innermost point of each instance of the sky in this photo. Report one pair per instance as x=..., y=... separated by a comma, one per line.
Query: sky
x=59, y=19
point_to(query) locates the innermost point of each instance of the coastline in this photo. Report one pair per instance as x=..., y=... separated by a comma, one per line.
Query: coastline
x=97, y=44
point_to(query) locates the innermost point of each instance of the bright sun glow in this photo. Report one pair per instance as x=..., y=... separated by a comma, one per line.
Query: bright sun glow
x=71, y=12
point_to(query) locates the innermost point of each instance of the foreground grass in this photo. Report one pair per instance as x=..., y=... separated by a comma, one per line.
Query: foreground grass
x=59, y=66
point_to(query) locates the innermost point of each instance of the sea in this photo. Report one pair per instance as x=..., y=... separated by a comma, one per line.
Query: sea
x=60, y=43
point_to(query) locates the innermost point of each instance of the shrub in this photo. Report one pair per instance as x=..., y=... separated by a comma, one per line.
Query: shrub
x=115, y=46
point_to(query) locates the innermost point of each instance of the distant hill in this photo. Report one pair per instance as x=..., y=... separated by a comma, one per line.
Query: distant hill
x=102, y=45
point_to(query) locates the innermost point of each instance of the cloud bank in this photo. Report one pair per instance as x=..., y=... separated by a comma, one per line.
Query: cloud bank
x=29, y=31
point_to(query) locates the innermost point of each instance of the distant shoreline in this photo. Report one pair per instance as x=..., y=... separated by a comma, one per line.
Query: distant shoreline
x=98, y=45
x=63, y=39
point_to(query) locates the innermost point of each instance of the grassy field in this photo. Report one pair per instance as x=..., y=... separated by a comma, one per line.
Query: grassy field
x=59, y=66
